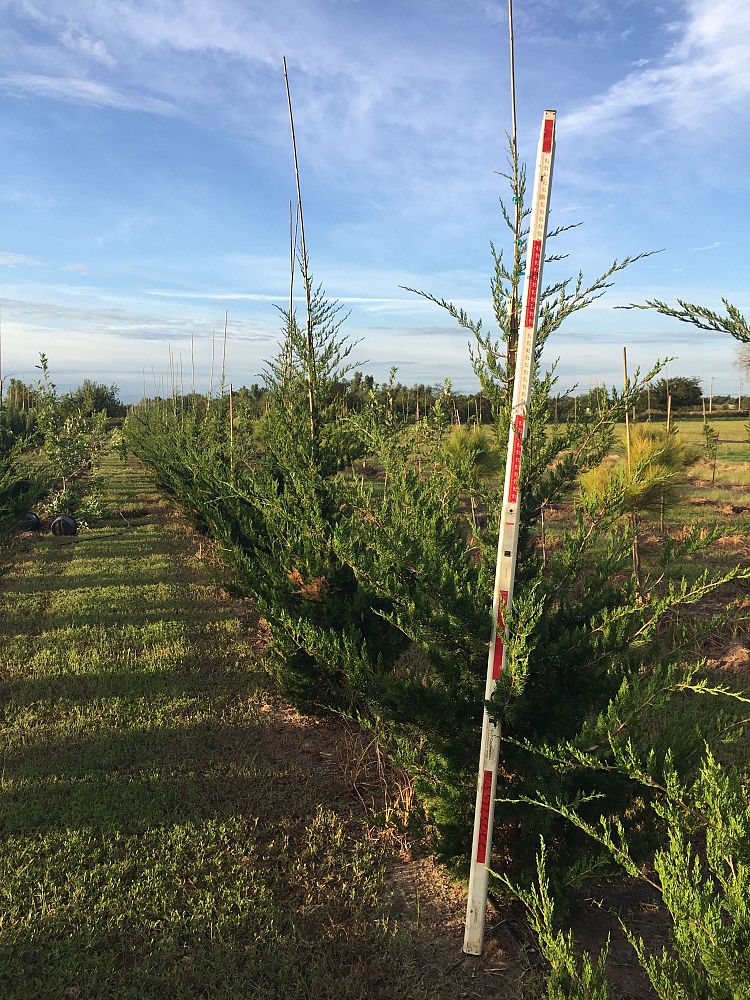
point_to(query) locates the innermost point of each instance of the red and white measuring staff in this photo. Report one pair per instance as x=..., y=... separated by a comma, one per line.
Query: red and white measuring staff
x=508, y=542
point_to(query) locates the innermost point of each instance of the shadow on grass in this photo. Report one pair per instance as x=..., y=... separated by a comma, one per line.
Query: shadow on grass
x=162, y=833
x=193, y=860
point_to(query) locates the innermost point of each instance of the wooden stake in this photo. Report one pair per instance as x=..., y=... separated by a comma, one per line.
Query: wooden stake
x=513, y=318
x=224, y=353
x=305, y=273
x=634, y=515
x=231, y=429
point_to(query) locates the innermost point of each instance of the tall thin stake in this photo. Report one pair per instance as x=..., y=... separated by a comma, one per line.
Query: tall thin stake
x=662, y=515
x=293, y=240
x=513, y=319
x=224, y=354
x=636, y=549
x=305, y=270
x=192, y=359
x=231, y=429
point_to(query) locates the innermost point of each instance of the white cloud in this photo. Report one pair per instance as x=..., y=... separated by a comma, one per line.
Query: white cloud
x=365, y=97
x=8, y=259
x=83, y=91
x=707, y=67
x=710, y=246
x=79, y=41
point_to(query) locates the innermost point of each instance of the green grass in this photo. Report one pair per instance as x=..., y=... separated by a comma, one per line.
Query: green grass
x=164, y=832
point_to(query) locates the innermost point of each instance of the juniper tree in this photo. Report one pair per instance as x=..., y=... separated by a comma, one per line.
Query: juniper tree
x=695, y=860
x=733, y=323
x=377, y=589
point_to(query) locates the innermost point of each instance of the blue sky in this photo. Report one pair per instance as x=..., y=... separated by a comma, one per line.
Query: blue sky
x=146, y=175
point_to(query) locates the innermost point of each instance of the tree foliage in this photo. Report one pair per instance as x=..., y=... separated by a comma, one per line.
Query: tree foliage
x=685, y=392
x=351, y=531
x=733, y=323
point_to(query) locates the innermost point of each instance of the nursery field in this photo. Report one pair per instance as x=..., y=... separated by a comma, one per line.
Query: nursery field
x=171, y=826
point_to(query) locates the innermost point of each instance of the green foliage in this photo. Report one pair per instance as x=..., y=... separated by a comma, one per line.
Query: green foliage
x=699, y=816
x=734, y=323
x=20, y=483
x=711, y=447
x=571, y=977
x=92, y=398
x=71, y=442
x=368, y=540
x=18, y=489
x=685, y=392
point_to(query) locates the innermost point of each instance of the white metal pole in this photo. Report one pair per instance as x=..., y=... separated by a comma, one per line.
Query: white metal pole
x=508, y=541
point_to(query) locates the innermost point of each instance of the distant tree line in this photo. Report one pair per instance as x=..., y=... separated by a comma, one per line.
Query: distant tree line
x=90, y=397
x=416, y=402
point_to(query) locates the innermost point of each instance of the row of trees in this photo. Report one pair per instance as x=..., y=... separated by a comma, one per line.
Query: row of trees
x=89, y=397
x=48, y=446
x=416, y=402
x=367, y=540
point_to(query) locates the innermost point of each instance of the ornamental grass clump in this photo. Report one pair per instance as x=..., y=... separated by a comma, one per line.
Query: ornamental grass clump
x=655, y=477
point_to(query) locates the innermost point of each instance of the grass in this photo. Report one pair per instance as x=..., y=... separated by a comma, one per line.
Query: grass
x=165, y=831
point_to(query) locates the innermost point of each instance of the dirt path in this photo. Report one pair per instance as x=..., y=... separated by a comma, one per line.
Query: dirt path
x=167, y=828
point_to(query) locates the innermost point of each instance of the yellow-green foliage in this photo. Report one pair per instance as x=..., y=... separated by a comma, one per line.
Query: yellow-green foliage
x=654, y=479
x=472, y=446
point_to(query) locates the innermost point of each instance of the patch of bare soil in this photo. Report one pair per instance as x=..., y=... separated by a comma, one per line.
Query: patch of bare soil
x=735, y=659
x=728, y=487
x=735, y=541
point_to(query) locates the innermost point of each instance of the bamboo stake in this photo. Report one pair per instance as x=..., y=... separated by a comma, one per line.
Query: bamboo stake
x=173, y=381
x=634, y=514
x=231, y=430
x=662, y=515
x=305, y=271
x=513, y=319
x=224, y=354
x=292, y=261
